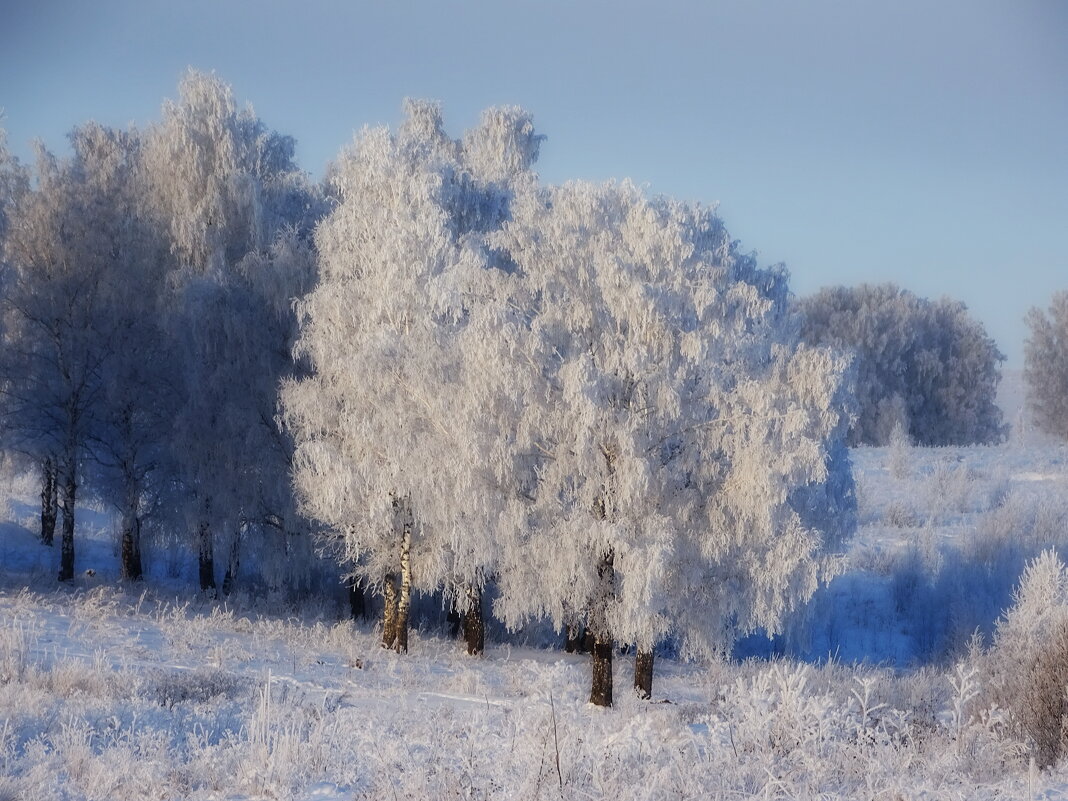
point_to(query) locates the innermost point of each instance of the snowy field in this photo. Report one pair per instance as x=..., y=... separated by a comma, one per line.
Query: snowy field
x=111, y=691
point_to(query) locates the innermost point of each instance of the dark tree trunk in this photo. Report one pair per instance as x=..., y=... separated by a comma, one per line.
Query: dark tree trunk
x=404, y=597
x=575, y=639
x=601, y=690
x=66, y=555
x=232, y=565
x=49, y=501
x=601, y=683
x=389, y=610
x=455, y=621
x=643, y=674
x=357, y=600
x=474, y=625
x=130, y=563
x=206, y=556
x=131, y=546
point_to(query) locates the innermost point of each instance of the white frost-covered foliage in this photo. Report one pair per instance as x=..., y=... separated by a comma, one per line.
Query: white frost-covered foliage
x=1046, y=366
x=670, y=420
x=223, y=182
x=238, y=214
x=781, y=499
x=398, y=408
x=55, y=325
x=586, y=392
x=134, y=410
x=14, y=183
x=73, y=250
x=927, y=365
x=1028, y=663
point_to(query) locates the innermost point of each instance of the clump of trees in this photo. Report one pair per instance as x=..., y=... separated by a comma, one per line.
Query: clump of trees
x=927, y=366
x=586, y=395
x=146, y=322
x=450, y=374
x=236, y=215
x=1046, y=366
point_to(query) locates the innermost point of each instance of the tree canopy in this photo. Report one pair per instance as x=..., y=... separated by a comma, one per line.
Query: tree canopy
x=928, y=366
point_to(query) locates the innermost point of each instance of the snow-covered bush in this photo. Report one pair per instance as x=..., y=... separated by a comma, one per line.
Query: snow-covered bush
x=200, y=686
x=1017, y=530
x=14, y=650
x=1028, y=661
x=953, y=488
x=899, y=515
x=925, y=365
x=794, y=730
x=900, y=451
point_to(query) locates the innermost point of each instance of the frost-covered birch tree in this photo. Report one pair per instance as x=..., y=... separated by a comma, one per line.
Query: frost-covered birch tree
x=398, y=441
x=662, y=380
x=772, y=505
x=128, y=442
x=14, y=184
x=88, y=217
x=496, y=160
x=58, y=336
x=1046, y=366
x=238, y=214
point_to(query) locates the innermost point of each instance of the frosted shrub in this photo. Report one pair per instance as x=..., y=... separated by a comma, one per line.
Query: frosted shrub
x=774, y=714
x=13, y=651
x=73, y=677
x=1041, y=705
x=198, y=686
x=96, y=605
x=899, y=515
x=1050, y=524
x=186, y=631
x=1001, y=533
x=999, y=490
x=791, y=731
x=952, y=487
x=76, y=759
x=900, y=452
x=978, y=585
x=1028, y=664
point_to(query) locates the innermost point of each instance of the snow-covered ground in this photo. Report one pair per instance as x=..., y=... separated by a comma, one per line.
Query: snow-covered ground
x=944, y=535
x=115, y=691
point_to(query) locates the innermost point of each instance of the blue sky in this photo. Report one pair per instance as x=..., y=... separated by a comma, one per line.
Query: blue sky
x=924, y=143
